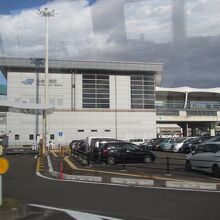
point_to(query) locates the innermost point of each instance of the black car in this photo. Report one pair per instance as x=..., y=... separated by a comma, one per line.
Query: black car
x=152, y=144
x=72, y=145
x=80, y=147
x=115, y=152
x=97, y=143
x=191, y=144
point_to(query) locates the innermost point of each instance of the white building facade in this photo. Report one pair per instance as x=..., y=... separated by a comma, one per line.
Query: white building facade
x=108, y=99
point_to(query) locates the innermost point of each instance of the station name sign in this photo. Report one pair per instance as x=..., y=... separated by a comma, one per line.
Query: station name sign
x=40, y=82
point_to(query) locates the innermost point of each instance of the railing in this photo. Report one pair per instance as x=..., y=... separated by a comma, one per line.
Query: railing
x=165, y=165
x=168, y=112
x=82, y=157
x=196, y=105
x=201, y=113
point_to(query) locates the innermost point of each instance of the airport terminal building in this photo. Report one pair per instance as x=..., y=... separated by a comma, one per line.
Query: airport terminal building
x=91, y=98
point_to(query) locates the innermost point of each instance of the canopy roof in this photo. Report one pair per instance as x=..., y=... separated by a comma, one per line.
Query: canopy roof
x=8, y=106
x=186, y=89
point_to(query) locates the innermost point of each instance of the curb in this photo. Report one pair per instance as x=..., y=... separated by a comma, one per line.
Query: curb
x=191, y=185
x=135, y=182
x=97, y=179
x=132, y=182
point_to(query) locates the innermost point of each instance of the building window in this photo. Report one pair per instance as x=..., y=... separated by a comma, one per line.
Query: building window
x=17, y=100
x=31, y=137
x=32, y=100
x=52, y=101
x=59, y=101
x=16, y=137
x=107, y=130
x=51, y=136
x=95, y=91
x=93, y=130
x=80, y=130
x=142, y=92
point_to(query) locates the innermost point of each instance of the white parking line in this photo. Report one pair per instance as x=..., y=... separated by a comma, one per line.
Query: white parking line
x=76, y=214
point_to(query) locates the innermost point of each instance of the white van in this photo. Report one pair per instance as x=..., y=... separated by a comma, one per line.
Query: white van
x=137, y=141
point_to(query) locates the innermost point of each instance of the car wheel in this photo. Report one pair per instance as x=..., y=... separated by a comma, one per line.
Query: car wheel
x=111, y=160
x=147, y=159
x=188, y=166
x=215, y=171
x=187, y=151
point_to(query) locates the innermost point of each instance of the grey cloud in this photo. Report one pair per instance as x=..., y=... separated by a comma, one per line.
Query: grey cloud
x=80, y=32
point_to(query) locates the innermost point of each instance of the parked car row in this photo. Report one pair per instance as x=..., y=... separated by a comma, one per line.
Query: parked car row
x=177, y=144
x=111, y=150
x=204, y=152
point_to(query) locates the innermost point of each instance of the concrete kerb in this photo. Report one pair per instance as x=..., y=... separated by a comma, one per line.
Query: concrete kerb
x=191, y=185
x=132, y=182
x=136, y=182
x=72, y=177
x=78, y=177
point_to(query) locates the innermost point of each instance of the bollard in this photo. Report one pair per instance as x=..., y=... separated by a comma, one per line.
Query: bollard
x=61, y=169
x=168, y=166
x=123, y=164
x=88, y=159
x=62, y=151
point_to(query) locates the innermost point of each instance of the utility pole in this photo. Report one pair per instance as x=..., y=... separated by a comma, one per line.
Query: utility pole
x=45, y=13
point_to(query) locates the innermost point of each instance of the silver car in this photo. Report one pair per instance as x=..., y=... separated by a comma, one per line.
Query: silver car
x=205, y=158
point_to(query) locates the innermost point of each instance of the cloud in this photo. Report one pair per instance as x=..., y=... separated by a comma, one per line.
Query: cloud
x=80, y=31
x=71, y=27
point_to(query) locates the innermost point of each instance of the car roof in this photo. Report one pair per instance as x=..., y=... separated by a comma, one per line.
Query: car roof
x=214, y=143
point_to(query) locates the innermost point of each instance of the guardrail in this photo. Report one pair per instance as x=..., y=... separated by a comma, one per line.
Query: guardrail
x=201, y=112
x=194, y=105
x=167, y=112
x=82, y=157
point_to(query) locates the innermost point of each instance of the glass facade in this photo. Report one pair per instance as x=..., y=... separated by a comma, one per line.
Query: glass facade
x=142, y=92
x=95, y=91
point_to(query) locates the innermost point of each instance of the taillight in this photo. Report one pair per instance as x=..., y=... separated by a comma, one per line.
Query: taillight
x=105, y=151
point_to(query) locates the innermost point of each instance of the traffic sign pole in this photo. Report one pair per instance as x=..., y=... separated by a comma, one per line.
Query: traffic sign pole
x=4, y=165
x=0, y=190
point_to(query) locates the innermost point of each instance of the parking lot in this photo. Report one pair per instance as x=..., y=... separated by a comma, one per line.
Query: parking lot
x=158, y=170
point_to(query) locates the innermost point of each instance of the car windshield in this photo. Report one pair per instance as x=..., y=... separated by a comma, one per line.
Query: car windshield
x=179, y=140
x=214, y=139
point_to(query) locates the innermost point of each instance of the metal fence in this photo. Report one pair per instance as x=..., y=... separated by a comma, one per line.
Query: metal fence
x=165, y=165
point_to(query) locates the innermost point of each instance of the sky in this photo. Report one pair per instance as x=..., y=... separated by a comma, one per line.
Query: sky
x=94, y=29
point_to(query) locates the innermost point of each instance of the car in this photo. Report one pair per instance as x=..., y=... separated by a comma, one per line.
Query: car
x=137, y=141
x=192, y=144
x=80, y=147
x=205, y=158
x=95, y=143
x=179, y=144
x=168, y=144
x=73, y=145
x=152, y=144
x=114, y=152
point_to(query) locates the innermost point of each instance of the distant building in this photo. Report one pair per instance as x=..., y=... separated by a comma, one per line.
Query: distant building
x=114, y=99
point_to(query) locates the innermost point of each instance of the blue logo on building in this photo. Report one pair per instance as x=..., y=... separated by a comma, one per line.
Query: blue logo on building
x=28, y=81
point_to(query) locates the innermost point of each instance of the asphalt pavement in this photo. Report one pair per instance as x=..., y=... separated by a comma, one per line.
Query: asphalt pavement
x=134, y=203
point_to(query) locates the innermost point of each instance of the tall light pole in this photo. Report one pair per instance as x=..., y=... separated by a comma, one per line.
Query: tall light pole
x=45, y=13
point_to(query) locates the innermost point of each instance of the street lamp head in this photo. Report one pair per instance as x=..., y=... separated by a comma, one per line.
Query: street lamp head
x=46, y=12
